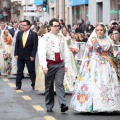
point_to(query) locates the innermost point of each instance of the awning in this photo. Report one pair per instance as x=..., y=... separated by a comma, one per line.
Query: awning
x=39, y=2
x=77, y=2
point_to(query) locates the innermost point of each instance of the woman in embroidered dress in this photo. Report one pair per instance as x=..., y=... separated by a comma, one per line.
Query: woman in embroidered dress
x=71, y=74
x=116, y=39
x=14, y=60
x=96, y=87
x=40, y=78
x=1, y=55
x=7, y=51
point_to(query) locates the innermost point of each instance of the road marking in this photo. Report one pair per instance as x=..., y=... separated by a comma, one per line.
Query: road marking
x=26, y=97
x=49, y=118
x=5, y=79
x=38, y=108
x=11, y=85
x=18, y=91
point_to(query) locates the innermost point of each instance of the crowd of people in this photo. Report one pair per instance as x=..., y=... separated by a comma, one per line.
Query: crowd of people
x=46, y=52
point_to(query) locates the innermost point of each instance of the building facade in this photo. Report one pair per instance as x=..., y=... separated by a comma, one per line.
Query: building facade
x=59, y=9
x=114, y=9
x=79, y=10
x=103, y=10
x=16, y=10
x=42, y=12
x=5, y=13
x=68, y=10
x=19, y=9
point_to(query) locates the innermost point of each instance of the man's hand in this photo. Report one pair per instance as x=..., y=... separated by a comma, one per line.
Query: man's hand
x=45, y=70
x=32, y=58
x=66, y=69
x=16, y=57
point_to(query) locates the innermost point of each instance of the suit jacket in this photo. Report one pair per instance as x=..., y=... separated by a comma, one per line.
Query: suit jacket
x=12, y=32
x=30, y=48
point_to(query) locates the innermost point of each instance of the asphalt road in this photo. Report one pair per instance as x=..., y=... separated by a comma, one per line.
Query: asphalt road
x=29, y=104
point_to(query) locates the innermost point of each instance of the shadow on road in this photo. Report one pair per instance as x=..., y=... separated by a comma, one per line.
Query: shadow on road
x=116, y=113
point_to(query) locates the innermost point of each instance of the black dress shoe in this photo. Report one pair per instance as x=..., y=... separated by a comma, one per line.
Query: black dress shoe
x=49, y=110
x=33, y=86
x=18, y=88
x=64, y=108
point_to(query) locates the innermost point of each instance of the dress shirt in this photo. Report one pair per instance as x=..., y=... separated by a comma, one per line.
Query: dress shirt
x=27, y=33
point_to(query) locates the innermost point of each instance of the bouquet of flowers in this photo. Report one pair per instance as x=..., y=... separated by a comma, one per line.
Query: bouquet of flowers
x=5, y=56
x=74, y=50
x=116, y=57
x=96, y=45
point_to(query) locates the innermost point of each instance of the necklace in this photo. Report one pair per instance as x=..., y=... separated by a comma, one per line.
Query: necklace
x=101, y=38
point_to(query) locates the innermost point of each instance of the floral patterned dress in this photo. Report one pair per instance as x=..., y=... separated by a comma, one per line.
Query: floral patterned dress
x=7, y=54
x=1, y=56
x=97, y=88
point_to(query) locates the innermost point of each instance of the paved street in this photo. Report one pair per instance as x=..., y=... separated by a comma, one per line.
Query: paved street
x=28, y=104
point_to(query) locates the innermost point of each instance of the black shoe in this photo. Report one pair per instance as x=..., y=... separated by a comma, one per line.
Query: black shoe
x=49, y=110
x=33, y=87
x=18, y=88
x=64, y=108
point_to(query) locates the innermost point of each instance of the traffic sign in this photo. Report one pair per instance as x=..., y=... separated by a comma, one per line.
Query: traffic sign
x=39, y=8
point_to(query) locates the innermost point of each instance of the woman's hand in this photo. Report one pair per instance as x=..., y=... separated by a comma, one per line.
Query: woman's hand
x=45, y=70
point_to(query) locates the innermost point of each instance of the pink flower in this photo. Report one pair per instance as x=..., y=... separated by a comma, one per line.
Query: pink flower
x=84, y=88
x=118, y=53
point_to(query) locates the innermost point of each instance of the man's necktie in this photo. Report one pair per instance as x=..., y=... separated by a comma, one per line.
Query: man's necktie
x=24, y=39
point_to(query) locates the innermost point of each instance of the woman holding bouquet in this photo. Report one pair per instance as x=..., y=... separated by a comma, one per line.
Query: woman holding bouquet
x=96, y=87
x=71, y=74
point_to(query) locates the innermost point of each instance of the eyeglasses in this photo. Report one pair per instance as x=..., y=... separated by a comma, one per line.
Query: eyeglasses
x=24, y=25
x=56, y=26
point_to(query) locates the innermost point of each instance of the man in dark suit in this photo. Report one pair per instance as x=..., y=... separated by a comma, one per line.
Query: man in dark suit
x=14, y=29
x=25, y=52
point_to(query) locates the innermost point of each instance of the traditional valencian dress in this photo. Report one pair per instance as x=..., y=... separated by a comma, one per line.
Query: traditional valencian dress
x=116, y=59
x=40, y=76
x=97, y=88
x=71, y=74
x=1, y=56
x=7, y=54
